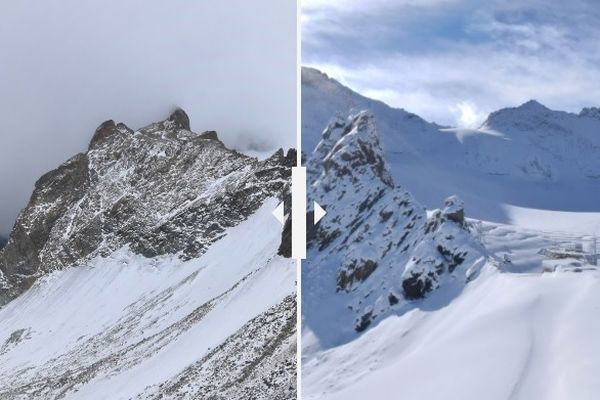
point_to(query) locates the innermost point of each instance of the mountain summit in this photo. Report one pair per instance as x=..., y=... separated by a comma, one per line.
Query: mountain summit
x=135, y=272
x=376, y=251
x=162, y=189
x=180, y=118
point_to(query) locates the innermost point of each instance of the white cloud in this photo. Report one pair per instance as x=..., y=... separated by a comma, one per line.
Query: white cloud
x=467, y=115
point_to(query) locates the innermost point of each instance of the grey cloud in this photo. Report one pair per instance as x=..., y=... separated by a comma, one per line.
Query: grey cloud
x=68, y=65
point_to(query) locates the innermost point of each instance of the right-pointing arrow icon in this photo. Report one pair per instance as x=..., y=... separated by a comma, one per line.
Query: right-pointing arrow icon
x=319, y=212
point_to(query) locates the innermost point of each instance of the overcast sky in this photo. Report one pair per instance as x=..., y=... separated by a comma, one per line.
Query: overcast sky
x=68, y=65
x=454, y=61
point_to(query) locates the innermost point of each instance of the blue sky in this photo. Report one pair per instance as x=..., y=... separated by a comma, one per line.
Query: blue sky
x=454, y=61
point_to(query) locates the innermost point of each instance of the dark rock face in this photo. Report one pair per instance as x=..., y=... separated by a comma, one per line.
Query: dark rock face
x=285, y=248
x=105, y=129
x=417, y=286
x=209, y=135
x=355, y=271
x=160, y=190
x=3, y=241
x=181, y=119
x=591, y=112
x=454, y=209
x=54, y=192
x=364, y=321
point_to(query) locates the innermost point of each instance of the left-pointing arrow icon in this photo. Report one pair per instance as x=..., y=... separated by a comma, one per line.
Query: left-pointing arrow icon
x=278, y=213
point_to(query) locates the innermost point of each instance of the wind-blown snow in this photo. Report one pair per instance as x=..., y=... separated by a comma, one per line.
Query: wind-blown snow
x=506, y=337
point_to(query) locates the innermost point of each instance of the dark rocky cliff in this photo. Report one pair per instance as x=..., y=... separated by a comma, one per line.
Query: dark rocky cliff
x=162, y=189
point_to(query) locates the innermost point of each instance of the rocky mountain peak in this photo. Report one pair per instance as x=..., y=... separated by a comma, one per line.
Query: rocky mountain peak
x=313, y=76
x=533, y=105
x=212, y=135
x=454, y=209
x=526, y=116
x=350, y=152
x=106, y=129
x=181, y=119
x=385, y=251
x=159, y=190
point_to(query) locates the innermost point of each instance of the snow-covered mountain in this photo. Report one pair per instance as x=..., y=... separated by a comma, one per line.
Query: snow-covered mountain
x=520, y=162
x=377, y=248
x=135, y=271
x=405, y=300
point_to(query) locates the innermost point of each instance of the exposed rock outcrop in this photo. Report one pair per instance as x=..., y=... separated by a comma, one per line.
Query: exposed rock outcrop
x=160, y=190
x=385, y=250
x=181, y=119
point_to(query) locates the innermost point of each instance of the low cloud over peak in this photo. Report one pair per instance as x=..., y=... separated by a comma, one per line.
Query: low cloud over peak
x=67, y=66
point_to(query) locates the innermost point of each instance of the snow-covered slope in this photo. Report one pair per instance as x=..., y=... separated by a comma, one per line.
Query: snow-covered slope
x=135, y=272
x=528, y=157
x=508, y=336
x=125, y=326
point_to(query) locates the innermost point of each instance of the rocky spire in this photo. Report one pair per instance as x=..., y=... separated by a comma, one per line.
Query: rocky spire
x=350, y=151
x=385, y=250
x=180, y=118
x=105, y=129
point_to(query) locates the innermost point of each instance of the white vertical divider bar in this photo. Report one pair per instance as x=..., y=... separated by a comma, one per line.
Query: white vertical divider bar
x=299, y=212
x=298, y=230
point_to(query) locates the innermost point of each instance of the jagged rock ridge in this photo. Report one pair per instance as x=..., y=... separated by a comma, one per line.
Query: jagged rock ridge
x=162, y=189
x=136, y=271
x=385, y=251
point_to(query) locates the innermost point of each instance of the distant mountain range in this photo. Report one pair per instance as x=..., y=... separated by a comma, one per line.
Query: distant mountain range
x=527, y=156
